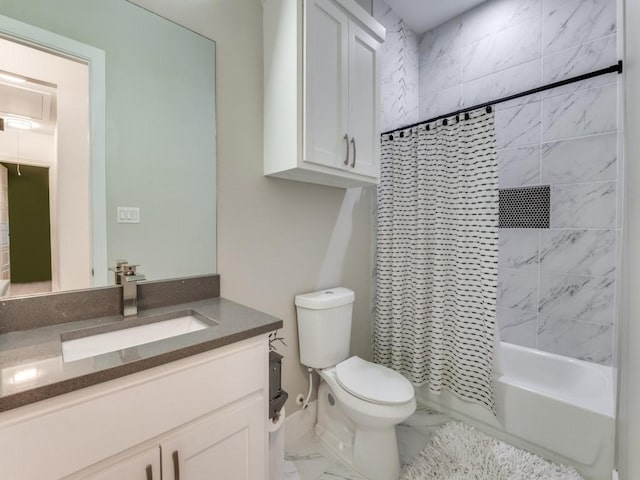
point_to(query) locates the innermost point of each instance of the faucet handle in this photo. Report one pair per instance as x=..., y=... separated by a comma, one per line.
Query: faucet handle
x=119, y=266
x=128, y=270
x=118, y=270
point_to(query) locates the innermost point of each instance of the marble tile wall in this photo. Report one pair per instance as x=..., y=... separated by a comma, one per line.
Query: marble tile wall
x=399, y=70
x=557, y=287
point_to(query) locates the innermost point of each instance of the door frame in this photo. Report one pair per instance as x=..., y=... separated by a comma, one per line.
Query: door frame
x=53, y=43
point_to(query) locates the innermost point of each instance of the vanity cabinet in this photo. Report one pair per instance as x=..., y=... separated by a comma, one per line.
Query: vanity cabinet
x=225, y=444
x=322, y=92
x=141, y=466
x=200, y=417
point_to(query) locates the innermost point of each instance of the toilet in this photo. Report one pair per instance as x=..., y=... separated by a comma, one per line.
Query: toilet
x=359, y=402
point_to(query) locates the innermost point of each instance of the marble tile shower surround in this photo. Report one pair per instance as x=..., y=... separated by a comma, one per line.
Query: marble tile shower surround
x=399, y=70
x=557, y=288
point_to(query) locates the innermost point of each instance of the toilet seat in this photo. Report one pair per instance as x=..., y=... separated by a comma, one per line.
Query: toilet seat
x=373, y=383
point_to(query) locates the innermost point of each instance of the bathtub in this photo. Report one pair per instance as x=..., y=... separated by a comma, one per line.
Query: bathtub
x=555, y=406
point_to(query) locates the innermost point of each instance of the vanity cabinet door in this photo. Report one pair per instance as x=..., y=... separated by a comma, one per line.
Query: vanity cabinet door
x=229, y=444
x=141, y=466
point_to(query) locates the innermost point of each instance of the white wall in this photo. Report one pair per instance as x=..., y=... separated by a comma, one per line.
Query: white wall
x=276, y=238
x=629, y=335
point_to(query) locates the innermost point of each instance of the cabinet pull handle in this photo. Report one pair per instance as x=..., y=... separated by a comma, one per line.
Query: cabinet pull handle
x=346, y=139
x=149, y=472
x=353, y=142
x=176, y=465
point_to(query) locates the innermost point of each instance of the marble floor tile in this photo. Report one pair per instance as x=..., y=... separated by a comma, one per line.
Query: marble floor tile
x=338, y=471
x=309, y=460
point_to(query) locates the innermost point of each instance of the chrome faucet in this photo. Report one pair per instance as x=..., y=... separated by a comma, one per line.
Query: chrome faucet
x=127, y=276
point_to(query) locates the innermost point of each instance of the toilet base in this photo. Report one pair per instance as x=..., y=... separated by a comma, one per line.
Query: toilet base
x=370, y=452
x=368, y=458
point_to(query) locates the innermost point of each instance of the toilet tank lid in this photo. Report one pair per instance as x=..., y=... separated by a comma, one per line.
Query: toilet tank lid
x=327, y=298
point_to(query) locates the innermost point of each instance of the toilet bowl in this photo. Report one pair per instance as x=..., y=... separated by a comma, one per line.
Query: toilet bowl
x=359, y=402
x=367, y=441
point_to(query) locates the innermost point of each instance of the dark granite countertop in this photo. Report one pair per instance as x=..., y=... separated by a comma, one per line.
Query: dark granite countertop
x=32, y=367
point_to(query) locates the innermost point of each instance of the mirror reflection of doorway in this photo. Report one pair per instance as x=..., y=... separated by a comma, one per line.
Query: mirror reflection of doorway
x=44, y=102
x=4, y=231
x=29, y=226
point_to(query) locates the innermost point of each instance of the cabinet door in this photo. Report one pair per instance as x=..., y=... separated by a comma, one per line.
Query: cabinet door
x=364, y=102
x=326, y=77
x=229, y=444
x=142, y=466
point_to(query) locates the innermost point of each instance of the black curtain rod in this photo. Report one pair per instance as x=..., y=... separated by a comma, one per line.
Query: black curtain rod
x=617, y=68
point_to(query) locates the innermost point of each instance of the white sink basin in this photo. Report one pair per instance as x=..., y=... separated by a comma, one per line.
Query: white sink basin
x=97, y=344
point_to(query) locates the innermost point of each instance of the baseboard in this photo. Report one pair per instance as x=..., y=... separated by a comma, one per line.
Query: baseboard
x=299, y=423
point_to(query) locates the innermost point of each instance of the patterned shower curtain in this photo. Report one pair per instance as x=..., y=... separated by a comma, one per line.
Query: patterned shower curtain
x=437, y=256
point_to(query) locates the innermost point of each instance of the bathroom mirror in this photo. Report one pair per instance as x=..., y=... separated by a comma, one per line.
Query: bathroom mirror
x=143, y=188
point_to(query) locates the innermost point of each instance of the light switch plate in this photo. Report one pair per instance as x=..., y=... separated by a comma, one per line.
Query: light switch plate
x=128, y=215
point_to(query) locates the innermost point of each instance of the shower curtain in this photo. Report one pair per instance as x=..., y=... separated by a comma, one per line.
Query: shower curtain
x=437, y=255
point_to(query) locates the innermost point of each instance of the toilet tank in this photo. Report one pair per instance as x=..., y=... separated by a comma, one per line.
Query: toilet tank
x=324, y=326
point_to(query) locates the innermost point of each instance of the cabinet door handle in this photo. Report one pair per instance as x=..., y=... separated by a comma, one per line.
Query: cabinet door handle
x=346, y=139
x=353, y=142
x=176, y=465
x=149, y=472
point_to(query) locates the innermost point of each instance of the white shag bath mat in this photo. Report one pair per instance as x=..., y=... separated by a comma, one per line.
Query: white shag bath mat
x=460, y=452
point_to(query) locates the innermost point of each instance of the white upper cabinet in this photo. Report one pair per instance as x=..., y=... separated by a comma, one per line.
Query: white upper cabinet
x=327, y=81
x=322, y=92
